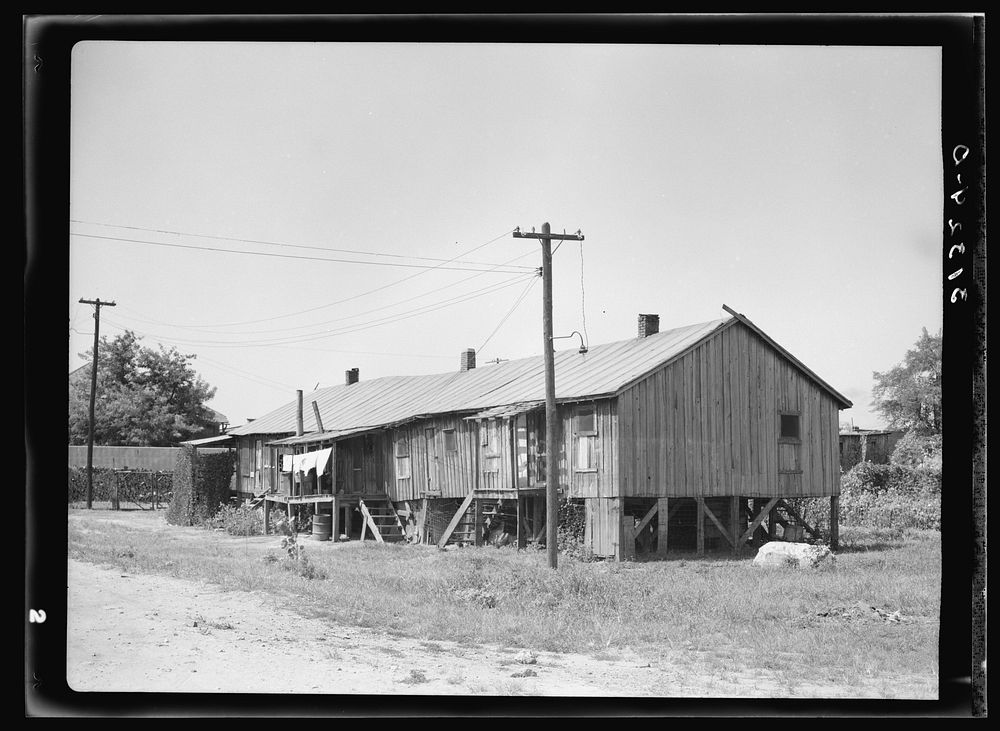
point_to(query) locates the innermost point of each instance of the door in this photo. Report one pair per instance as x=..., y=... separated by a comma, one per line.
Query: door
x=432, y=462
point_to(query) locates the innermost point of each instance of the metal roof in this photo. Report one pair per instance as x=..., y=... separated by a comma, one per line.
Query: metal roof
x=600, y=372
x=368, y=404
x=209, y=440
x=509, y=410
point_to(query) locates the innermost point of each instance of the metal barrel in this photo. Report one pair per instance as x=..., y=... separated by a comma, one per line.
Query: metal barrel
x=322, y=527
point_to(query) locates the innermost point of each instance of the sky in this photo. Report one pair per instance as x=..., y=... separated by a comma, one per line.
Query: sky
x=286, y=212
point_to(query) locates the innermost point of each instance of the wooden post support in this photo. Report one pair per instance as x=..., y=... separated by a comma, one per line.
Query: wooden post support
x=422, y=522
x=267, y=516
x=334, y=520
x=663, y=523
x=757, y=520
x=718, y=524
x=734, y=522
x=477, y=523
x=538, y=514
x=701, y=525
x=798, y=518
x=443, y=541
x=834, y=522
x=626, y=532
x=522, y=532
x=772, y=522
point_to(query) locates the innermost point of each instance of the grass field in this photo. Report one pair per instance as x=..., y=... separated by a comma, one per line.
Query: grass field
x=804, y=625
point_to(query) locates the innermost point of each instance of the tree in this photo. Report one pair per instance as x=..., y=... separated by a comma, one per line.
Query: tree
x=909, y=395
x=145, y=397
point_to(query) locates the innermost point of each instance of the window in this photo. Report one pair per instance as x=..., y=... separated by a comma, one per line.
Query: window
x=586, y=420
x=356, y=454
x=789, y=427
x=585, y=458
x=402, y=447
x=585, y=427
x=402, y=468
x=450, y=443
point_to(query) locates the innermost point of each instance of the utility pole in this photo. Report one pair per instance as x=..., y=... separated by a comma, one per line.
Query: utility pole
x=551, y=415
x=93, y=395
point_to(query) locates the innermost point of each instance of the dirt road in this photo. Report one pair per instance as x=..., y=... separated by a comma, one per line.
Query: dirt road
x=143, y=633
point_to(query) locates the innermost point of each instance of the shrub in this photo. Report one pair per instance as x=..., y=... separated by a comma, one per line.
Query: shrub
x=891, y=496
x=239, y=520
x=131, y=485
x=296, y=560
x=201, y=485
x=572, y=527
x=916, y=450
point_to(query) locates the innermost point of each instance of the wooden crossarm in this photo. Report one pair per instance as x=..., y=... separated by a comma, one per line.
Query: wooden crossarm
x=455, y=520
x=755, y=523
x=725, y=533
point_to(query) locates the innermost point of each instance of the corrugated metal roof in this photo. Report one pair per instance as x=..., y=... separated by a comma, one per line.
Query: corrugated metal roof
x=511, y=410
x=367, y=404
x=222, y=438
x=600, y=372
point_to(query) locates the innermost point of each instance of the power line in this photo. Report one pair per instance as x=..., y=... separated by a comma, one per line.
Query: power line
x=285, y=256
x=247, y=375
x=366, y=293
x=304, y=337
x=202, y=329
x=343, y=331
x=275, y=243
x=517, y=302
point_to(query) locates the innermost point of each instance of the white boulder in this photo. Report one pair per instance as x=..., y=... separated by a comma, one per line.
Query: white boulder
x=793, y=555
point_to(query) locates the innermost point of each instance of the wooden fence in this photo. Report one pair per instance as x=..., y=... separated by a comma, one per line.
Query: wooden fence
x=157, y=459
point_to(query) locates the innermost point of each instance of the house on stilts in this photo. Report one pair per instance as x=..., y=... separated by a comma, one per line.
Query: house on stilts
x=689, y=439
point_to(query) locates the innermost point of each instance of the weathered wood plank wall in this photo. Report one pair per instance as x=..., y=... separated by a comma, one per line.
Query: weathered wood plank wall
x=602, y=480
x=708, y=424
x=434, y=469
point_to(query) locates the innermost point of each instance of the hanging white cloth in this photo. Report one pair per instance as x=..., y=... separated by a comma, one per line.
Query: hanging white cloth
x=318, y=460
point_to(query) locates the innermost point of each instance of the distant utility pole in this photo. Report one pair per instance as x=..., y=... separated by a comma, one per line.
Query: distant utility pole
x=93, y=394
x=551, y=415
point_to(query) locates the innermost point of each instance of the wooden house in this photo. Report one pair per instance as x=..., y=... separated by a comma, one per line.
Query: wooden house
x=693, y=438
x=867, y=445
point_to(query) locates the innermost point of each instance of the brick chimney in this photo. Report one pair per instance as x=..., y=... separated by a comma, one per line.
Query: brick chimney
x=351, y=376
x=648, y=325
x=468, y=360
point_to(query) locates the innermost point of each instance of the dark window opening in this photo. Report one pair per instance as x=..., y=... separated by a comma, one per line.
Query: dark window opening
x=586, y=421
x=450, y=443
x=789, y=426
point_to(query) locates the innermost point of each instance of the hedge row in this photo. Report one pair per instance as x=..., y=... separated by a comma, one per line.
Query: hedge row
x=881, y=496
x=132, y=487
x=201, y=486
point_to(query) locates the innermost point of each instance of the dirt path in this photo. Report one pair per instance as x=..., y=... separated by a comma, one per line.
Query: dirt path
x=143, y=633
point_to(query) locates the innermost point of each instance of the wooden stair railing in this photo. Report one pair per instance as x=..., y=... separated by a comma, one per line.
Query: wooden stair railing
x=382, y=522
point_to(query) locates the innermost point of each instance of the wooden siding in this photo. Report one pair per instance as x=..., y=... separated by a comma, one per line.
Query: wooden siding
x=361, y=466
x=133, y=458
x=251, y=458
x=434, y=470
x=708, y=424
x=601, y=480
x=603, y=526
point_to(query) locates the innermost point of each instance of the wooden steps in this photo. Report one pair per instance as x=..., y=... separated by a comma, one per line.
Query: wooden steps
x=381, y=518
